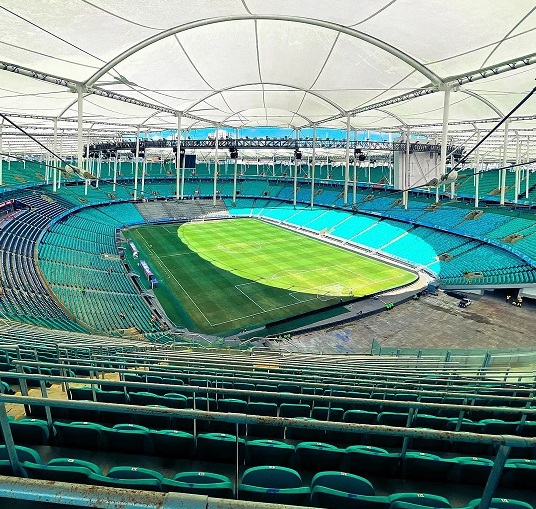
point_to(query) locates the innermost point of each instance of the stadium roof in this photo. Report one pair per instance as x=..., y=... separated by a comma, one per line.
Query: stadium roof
x=290, y=63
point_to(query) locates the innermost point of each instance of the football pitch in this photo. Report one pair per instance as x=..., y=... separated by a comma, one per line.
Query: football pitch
x=221, y=276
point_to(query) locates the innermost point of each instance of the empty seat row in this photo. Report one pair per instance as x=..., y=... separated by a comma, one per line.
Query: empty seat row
x=311, y=456
x=268, y=484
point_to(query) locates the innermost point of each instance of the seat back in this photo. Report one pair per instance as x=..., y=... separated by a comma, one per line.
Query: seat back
x=272, y=477
x=343, y=481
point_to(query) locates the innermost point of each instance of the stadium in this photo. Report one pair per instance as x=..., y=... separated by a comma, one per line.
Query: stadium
x=259, y=253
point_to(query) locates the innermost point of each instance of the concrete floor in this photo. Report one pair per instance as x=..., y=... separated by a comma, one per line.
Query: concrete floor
x=431, y=322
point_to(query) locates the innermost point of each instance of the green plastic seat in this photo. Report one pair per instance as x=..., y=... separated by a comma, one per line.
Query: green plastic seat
x=365, y=459
x=500, y=503
x=149, y=484
x=421, y=499
x=128, y=472
x=74, y=462
x=172, y=443
x=30, y=431
x=520, y=473
x=219, y=447
x=133, y=441
x=294, y=410
x=269, y=452
x=232, y=405
x=338, y=489
x=23, y=454
x=343, y=481
x=59, y=472
x=200, y=483
x=430, y=467
x=473, y=470
x=81, y=435
x=273, y=484
x=317, y=456
x=263, y=430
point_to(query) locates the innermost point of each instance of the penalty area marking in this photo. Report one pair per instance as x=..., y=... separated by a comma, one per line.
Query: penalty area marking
x=165, y=268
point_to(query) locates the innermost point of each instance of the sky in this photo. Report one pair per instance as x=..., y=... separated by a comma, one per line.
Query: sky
x=275, y=132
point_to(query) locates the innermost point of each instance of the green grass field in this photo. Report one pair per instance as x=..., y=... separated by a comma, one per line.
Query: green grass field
x=218, y=277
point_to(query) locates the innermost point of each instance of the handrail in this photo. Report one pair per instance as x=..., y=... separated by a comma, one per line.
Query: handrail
x=236, y=418
x=292, y=378
x=194, y=389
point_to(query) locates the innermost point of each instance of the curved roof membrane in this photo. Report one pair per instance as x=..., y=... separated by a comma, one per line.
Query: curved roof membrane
x=248, y=63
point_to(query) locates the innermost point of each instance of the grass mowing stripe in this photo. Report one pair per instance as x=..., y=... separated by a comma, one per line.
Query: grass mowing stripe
x=222, y=276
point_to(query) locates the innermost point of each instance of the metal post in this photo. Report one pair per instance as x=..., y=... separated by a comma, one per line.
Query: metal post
x=503, y=171
x=313, y=162
x=44, y=394
x=178, y=161
x=347, y=162
x=494, y=476
x=216, y=164
x=136, y=156
x=8, y=441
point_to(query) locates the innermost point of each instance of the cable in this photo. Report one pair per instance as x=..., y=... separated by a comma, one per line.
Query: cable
x=75, y=169
x=501, y=122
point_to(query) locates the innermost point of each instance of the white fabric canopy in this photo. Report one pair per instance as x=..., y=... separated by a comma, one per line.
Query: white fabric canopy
x=265, y=62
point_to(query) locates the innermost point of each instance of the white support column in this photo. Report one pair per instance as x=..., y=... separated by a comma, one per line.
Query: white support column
x=518, y=158
x=216, y=165
x=136, y=156
x=115, y=172
x=477, y=170
x=313, y=163
x=80, y=152
x=99, y=164
x=143, y=170
x=504, y=153
x=55, y=159
x=527, y=169
x=89, y=162
x=295, y=184
x=444, y=135
x=235, y=171
x=452, y=184
x=1, y=156
x=405, y=180
x=347, y=165
x=354, y=184
x=178, y=160
x=47, y=162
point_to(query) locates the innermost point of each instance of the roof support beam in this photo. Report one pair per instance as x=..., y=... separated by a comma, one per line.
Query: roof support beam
x=418, y=66
x=73, y=86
